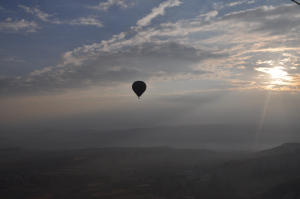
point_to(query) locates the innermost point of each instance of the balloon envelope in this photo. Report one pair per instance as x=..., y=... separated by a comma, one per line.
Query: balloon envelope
x=139, y=87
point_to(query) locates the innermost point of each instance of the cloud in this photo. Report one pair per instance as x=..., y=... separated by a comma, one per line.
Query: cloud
x=236, y=3
x=241, y=83
x=279, y=74
x=267, y=14
x=41, y=15
x=208, y=16
x=1, y=8
x=249, y=36
x=262, y=27
x=13, y=58
x=22, y=26
x=220, y=5
x=106, y=5
x=159, y=61
x=171, y=51
x=91, y=21
x=160, y=10
x=86, y=21
x=248, y=23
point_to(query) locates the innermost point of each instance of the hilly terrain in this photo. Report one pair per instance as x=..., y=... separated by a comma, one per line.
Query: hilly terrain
x=213, y=137
x=150, y=172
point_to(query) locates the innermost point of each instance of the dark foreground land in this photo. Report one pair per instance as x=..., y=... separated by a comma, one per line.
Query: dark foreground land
x=146, y=173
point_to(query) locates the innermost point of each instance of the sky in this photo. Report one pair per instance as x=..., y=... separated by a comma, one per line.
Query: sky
x=71, y=64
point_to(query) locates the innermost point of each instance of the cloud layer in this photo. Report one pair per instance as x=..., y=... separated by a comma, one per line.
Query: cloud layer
x=148, y=61
x=209, y=46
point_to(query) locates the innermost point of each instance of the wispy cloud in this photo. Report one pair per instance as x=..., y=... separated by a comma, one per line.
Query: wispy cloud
x=208, y=16
x=22, y=26
x=91, y=21
x=106, y=5
x=160, y=10
x=235, y=3
x=13, y=59
x=41, y=15
x=221, y=5
x=86, y=21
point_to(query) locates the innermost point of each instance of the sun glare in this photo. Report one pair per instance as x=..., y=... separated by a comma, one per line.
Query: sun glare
x=279, y=75
x=277, y=72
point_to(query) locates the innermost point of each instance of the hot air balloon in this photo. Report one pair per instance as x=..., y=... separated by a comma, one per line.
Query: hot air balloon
x=139, y=88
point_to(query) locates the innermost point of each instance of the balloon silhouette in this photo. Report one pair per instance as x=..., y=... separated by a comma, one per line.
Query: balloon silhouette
x=139, y=88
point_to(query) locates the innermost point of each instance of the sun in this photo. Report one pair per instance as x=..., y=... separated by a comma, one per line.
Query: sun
x=279, y=75
x=277, y=72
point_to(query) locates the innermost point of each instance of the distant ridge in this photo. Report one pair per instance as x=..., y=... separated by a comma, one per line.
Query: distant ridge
x=292, y=147
x=212, y=137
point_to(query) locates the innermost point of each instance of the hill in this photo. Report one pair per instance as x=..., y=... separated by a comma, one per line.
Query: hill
x=149, y=172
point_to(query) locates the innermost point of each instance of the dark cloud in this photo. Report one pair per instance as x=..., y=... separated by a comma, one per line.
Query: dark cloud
x=273, y=20
x=141, y=62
